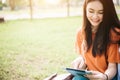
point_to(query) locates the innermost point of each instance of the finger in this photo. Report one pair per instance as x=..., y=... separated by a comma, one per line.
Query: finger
x=75, y=65
x=95, y=72
x=82, y=65
x=76, y=62
x=91, y=76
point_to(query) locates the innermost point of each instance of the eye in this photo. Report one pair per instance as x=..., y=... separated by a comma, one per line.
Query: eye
x=100, y=12
x=91, y=11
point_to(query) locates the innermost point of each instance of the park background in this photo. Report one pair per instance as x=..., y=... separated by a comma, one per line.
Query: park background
x=37, y=37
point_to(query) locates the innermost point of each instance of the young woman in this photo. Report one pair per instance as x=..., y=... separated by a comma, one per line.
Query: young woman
x=97, y=41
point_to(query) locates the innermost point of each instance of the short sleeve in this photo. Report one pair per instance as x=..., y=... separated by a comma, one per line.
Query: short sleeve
x=78, y=41
x=113, y=49
x=113, y=53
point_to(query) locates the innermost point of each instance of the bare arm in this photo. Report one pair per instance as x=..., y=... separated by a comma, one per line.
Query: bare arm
x=79, y=63
x=111, y=70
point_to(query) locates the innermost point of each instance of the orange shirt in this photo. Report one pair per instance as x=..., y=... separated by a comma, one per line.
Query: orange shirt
x=98, y=63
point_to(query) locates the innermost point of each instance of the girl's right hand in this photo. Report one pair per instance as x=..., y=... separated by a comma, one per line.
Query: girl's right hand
x=79, y=63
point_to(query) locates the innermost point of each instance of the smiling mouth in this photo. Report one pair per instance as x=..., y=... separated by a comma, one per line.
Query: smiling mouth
x=95, y=21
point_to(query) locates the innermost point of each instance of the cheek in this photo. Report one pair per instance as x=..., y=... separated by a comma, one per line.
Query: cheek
x=88, y=15
x=101, y=18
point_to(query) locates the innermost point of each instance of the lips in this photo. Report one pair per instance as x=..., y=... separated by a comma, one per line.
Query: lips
x=96, y=21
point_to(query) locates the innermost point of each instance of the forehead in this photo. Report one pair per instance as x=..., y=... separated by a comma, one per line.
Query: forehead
x=97, y=5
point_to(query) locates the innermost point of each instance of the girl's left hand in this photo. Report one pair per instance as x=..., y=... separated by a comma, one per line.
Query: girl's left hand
x=96, y=76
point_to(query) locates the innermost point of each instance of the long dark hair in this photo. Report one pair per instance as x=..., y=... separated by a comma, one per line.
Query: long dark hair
x=102, y=36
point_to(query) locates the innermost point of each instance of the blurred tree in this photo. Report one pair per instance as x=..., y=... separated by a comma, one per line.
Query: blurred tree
x=117, y=2
x=17, y=3
x=70, y=3
x=1, y=5
x=68, y=8
x=12, y=4
x=31, y=9
x=22, y=3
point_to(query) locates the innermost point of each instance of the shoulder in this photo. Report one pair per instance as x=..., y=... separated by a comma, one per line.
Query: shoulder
x=79, y=32
x=79, y=35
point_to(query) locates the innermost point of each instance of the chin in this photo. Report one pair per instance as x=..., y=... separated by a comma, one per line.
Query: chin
x=95, y=24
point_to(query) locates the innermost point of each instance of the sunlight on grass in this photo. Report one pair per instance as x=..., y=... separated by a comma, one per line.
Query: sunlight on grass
x=33, y=50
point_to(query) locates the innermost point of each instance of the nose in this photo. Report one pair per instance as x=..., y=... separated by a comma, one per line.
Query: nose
x=95, y=15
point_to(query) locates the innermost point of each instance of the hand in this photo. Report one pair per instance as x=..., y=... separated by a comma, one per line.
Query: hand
x=96, y=76
x=79, y=63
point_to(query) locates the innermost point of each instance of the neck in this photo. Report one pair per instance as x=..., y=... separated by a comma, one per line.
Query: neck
x=94, y=29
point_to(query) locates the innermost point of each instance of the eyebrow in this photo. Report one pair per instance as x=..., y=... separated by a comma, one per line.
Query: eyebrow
x=93, y=9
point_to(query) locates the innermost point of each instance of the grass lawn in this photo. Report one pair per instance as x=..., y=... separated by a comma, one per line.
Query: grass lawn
x=33, y=50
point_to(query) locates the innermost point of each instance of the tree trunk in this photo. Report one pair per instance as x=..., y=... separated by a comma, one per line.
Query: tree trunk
x=68, y=8
x=118, y=2
x=12, y=4
x=31, y=9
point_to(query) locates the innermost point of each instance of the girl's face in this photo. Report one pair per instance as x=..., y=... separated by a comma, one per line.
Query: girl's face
x=94, y=12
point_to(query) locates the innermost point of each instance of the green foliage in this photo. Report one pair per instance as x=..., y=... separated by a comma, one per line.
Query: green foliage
x=1, y=5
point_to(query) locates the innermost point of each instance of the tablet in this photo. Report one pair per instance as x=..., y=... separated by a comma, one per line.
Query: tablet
x=77, y=72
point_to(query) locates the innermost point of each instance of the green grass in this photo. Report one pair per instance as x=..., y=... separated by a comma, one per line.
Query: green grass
x=33, y=50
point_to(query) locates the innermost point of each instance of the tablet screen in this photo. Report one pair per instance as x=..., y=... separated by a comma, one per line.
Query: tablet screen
x=77, y=72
